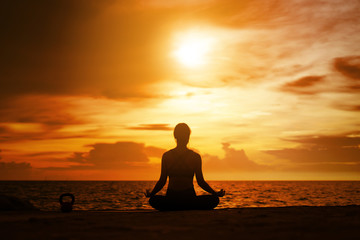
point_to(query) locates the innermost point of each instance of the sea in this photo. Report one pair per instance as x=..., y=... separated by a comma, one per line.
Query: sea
x=129, y=195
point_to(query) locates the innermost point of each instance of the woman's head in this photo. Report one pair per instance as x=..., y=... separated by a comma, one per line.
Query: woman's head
x=182, y=133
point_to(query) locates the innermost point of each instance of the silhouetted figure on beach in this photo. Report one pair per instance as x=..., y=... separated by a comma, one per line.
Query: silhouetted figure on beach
x=180, y=164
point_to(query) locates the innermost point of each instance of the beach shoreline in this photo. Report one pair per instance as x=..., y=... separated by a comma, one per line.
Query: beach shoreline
x=297, y=222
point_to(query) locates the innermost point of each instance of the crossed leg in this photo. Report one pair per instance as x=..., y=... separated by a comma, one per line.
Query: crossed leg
x=202, y=202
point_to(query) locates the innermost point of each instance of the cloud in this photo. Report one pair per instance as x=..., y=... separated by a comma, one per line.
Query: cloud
x=34, y=132
x=349, y=140
x=353, y=108
x=233, y=161
x=304, y=85
x=15, y=171
x=52, y=112
x=154, y=151
x=41, y=154
x=15, y=166
x=3, y=130
x=161, y=127
x=307, y=81
x=113, y=156
x=349, y=66
x=38, y=117
x=323, y=153
x=132, y=155
x=354, y=88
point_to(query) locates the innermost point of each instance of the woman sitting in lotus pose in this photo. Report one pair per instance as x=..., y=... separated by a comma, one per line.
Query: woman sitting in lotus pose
x=180, y=164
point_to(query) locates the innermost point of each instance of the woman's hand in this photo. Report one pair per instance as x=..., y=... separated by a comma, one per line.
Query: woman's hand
x=220, y=193
x=147, y=193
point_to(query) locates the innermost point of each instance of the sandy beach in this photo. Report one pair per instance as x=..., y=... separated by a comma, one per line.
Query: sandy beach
x=341, y=222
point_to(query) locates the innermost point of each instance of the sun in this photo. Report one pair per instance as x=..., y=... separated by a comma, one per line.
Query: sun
x=193, y=50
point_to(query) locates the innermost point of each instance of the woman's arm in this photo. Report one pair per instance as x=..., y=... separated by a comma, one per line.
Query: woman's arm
x=162, y=180
x=200, y=178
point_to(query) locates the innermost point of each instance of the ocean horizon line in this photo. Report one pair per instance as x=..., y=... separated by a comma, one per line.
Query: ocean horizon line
x=257, y=180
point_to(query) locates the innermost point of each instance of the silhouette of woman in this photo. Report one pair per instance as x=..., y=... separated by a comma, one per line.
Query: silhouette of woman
x=180, y=164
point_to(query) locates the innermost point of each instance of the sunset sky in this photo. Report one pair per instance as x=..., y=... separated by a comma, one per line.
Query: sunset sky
x=91, y=90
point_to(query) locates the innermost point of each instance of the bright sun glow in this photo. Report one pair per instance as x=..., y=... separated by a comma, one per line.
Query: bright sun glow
x=193, y=50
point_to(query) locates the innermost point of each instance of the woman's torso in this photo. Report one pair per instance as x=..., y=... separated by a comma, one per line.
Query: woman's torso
x=180, y=168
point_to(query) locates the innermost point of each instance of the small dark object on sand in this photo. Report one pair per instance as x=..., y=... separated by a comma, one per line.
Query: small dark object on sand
x=66, y=206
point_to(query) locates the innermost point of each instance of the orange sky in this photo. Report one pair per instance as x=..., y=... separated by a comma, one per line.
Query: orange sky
x=270, y=89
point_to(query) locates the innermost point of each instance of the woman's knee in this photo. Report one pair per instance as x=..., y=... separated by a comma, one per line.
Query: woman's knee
x=155, y=200
x=160, y=203
x=214, y=200
x=208, y=201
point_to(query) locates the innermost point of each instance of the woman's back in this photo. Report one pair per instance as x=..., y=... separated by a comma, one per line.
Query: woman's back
x=180, y=167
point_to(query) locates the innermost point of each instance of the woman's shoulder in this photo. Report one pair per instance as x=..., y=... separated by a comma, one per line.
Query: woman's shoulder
x=173, y=152
x=194, y=154
x=167, y=153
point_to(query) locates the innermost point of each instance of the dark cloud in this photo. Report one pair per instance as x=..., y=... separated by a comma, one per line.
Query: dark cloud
x=15, y=166
x=353, y=108
x=15, y=171
x=234, y=161
x=8, y=135
x=338, y=141
x=3, y=130
x=160, y=126
x=323, y=153
x=354, y=88
x=42, y=109
x=43, y=115
x=307, y=81
x=40, y=154
x=154, y=151
x=348, y=66
x=119, y=155
x=304, y=85
x=310, y=85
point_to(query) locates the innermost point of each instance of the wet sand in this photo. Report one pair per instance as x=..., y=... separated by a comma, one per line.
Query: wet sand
x=243, y=223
